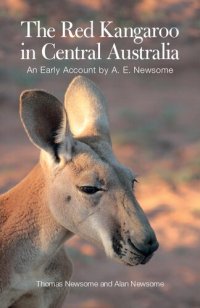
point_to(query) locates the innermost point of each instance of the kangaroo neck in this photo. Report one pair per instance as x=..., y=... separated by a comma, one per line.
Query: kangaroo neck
x=26, y=206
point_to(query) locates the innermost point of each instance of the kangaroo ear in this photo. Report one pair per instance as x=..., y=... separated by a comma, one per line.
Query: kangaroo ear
x=45, y=121
x=86, y=109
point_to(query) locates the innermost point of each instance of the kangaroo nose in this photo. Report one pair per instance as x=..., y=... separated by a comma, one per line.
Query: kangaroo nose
x=146, y=247
x=151, y=245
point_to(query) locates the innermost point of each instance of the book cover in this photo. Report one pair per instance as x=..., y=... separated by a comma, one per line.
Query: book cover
x=99, y=131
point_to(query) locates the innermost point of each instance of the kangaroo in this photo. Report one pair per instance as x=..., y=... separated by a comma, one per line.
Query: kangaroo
x=78, y=187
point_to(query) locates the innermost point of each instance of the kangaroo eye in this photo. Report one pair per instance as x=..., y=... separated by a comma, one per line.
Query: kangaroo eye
x=90, y=190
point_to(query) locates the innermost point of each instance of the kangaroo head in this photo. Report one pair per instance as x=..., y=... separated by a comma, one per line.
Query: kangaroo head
x=89, y=192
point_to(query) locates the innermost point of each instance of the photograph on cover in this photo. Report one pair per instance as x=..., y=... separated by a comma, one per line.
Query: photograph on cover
x=100, y=154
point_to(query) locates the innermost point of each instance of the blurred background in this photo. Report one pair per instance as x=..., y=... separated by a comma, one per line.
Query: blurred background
x=155, y=129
